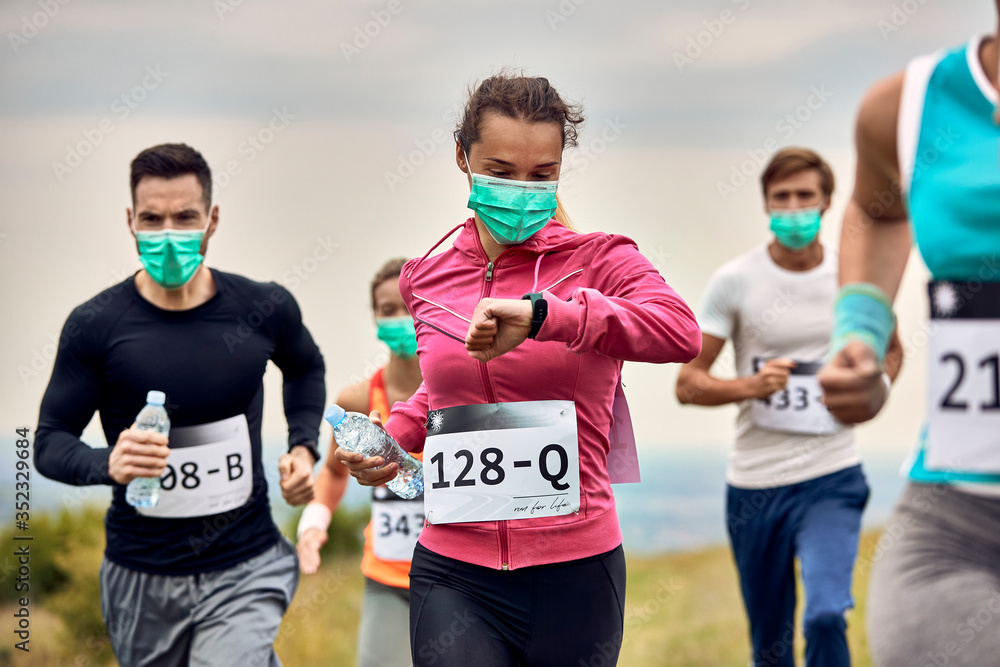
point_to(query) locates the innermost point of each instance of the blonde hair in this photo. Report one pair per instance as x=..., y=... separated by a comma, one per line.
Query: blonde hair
x=562, y=216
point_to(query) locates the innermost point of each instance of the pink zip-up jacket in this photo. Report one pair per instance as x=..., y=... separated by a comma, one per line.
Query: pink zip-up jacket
x=606, y=304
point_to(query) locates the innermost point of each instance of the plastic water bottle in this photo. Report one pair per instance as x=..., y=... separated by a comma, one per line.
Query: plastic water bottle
x=356, y=433
x=145, y=491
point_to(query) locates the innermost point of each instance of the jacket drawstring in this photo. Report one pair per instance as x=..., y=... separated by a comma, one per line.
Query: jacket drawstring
x=434, y=247
x=538, y=264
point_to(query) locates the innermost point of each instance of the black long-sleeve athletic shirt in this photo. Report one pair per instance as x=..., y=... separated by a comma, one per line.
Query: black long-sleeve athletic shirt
x=210, y=362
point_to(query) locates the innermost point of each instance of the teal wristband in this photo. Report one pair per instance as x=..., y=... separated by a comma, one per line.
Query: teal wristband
x=862, y=312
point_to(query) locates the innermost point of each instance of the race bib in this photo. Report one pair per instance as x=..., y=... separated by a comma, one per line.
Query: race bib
x=797, y=408
x=963, y=378
x=209, y=470
x=396, y=524
x=501, y=461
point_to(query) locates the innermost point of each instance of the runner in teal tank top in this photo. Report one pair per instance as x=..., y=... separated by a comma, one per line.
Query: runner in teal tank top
x=928, y=144
x=948, y=151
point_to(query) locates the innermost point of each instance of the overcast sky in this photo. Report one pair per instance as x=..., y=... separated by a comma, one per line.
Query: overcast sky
x=329, y=124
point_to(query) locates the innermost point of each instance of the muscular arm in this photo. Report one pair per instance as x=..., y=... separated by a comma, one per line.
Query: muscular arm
x=875, y=238
x=331, y=483
x=69, y=403
x=874, y=247
x=696, y=384
x=893, y=363
x=303, y=372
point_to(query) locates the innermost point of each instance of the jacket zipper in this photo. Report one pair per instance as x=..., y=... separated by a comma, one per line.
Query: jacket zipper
x=484, y=375
x=484, y=372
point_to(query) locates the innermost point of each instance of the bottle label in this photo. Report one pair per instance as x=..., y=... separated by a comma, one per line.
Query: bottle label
x=798, y=407
x=396, y=524
x=501, y=461
x=209, y=470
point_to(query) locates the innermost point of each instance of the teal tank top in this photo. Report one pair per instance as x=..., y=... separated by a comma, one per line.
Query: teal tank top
x=949, y=158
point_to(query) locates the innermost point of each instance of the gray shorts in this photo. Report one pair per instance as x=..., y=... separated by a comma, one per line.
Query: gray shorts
x=934, y=597
x=224, y=617
x=384, y=633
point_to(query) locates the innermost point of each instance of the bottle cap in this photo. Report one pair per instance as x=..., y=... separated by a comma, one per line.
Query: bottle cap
x=334, y=414
x=156, y=397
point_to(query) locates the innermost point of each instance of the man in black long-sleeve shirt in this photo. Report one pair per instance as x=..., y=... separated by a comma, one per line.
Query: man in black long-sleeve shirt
x=203, y=577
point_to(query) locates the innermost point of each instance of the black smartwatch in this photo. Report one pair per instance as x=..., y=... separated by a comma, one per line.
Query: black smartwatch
x=539, y=309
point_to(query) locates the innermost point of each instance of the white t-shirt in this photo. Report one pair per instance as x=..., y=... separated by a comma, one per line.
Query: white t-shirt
x=768, y=312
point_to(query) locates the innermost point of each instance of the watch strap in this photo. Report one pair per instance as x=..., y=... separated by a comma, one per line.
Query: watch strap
x=539, y=309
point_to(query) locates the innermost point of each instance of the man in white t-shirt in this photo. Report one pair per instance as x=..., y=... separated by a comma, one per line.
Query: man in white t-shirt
x=795, y=485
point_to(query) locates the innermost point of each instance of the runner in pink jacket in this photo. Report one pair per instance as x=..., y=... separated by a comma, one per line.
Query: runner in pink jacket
x=514, y=335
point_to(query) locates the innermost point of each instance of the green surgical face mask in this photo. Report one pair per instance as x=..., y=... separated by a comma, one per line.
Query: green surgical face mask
x=795, y=229
x=170, y=256
x=512, y=211
x=399, y=335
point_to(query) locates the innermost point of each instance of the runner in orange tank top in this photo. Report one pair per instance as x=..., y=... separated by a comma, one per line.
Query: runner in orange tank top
x=383, y=635
x=393, y=532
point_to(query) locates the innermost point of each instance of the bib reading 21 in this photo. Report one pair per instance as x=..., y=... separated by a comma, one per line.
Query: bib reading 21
x=501, y=461
x=963, y=378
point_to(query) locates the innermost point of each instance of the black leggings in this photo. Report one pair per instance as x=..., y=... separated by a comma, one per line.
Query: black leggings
x=563, y=614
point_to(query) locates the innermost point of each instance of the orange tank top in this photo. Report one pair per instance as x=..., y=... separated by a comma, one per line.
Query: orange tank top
x=394, y=573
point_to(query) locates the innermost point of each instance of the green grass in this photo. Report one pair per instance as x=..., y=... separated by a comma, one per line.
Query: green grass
x=681, y=609
x=701, y=622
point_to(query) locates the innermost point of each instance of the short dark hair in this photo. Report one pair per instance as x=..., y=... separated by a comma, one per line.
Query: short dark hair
x=789, y=161
x=173, y=161
x=390, y=269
